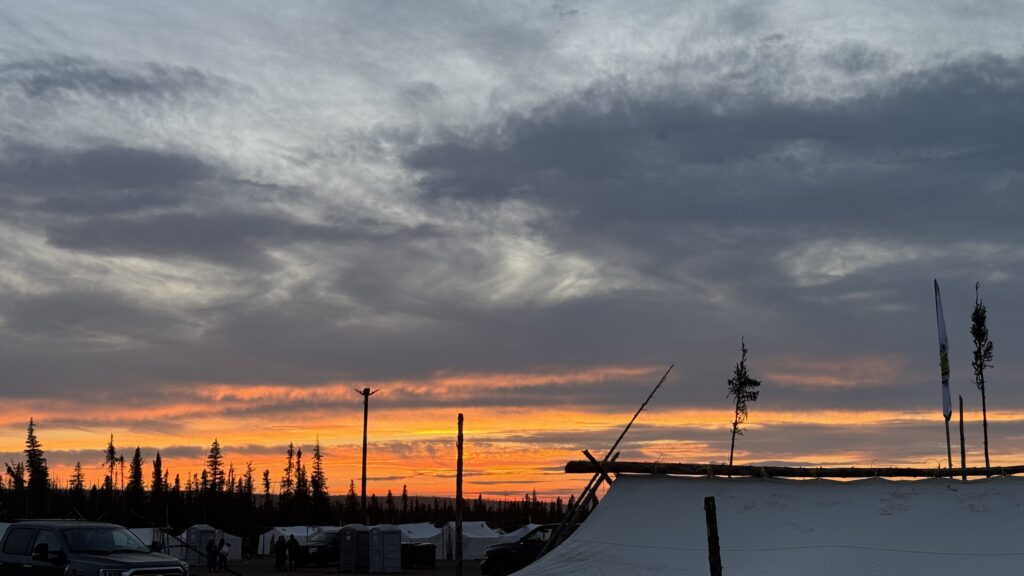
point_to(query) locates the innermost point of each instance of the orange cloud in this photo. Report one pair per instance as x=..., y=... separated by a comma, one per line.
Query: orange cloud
x=854, y=372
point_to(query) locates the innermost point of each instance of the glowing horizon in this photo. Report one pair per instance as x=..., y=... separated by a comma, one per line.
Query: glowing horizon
x=509, y=449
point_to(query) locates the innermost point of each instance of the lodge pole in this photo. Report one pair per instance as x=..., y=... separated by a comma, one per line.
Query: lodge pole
x=714, y=554
x=963, y=448
x=694, y=469
x=458, y=505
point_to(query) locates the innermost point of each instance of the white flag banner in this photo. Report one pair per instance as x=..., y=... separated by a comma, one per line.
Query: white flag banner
x=947, y=405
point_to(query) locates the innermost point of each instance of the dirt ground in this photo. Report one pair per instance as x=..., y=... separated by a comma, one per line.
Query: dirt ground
x=265, y=567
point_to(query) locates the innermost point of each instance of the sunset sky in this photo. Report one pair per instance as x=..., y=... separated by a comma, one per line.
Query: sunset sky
x=218, y=218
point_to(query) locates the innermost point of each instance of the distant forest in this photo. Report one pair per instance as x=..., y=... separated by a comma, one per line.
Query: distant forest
x=241, y=502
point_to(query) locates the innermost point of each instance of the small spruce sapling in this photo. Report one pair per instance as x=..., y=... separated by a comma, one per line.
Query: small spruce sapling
x=744, y=389
x=983, y=356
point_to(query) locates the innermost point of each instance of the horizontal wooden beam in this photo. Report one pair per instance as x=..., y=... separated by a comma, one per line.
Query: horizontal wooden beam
x=683, y=469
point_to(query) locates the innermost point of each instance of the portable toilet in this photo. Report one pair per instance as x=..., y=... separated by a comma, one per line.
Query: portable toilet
x=347, y=547
x=376, y=565
x=385, y=549
x=392, y=544
x=362, y=551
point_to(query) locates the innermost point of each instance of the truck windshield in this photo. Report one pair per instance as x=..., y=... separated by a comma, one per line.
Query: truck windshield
x=103, y=539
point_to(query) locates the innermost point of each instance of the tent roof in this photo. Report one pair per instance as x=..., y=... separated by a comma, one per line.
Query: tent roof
x=650, y=525
x=420, y=529
x=476, y=529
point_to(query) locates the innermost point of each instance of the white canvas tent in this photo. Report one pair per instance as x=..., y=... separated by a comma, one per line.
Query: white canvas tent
x=424, y=533
x=653, y=525
x=301, y=533
x=192, y=545
x=476, y=537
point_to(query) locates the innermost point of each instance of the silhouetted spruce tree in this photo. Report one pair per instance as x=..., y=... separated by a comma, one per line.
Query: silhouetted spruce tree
x=352, y=502
x=38, y=472
x=301, y=479
x=214, y=468
x=248, y=482
x=744, y=389
x=77, y=484
x=288, y=480
x=983, y=356
x=229, y=483
x=158, y=484
x=405, y=503
x=267, y=505
x=110, y=460
x=135, y=491
x=389, y=506
x=318, y=484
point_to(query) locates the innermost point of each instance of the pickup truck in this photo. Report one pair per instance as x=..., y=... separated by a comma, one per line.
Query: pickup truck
x=76, y=548
x=506, y=558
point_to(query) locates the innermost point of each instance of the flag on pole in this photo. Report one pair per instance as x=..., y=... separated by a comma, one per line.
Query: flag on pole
x=947, y=405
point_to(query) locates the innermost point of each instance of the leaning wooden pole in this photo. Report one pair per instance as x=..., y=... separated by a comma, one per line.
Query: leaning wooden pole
x=458, y=504
x=693, y=469
x=587, y=495
x=963, y=447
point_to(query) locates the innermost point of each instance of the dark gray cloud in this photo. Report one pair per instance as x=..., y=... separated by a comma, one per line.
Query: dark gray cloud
x=608, y=158
x=71, y=76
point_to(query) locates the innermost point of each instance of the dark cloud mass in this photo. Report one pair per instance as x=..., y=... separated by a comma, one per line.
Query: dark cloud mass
x=68, y=76
x=104, y=180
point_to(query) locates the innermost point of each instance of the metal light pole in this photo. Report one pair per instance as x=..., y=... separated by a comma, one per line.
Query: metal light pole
x=365, y=393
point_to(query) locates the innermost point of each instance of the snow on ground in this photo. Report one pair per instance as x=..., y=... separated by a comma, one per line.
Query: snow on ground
x=650, y=525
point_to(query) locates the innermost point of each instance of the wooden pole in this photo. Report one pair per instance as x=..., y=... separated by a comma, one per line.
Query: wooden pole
x=689, y=469
x=714, y=554
x=458, y=505
x=949, y=450
x=365, y=392
x=599, y=466
x=963, y=447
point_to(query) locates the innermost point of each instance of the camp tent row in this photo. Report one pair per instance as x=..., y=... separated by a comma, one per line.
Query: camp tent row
x=476, y=537
x=652, y=525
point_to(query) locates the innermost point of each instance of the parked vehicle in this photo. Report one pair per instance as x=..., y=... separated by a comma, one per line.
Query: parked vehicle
x=322, y=548
x=506, y=558
x=74, y=548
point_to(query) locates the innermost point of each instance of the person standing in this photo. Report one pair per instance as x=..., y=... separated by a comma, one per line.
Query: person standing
x=211, y=555
x=222, y=554
x=280, y=555
x=293, y=552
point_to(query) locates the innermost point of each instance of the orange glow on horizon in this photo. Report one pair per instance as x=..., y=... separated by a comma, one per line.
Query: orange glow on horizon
x=509, y=450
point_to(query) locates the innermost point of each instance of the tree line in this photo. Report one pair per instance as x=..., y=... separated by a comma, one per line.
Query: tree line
x=241, y=501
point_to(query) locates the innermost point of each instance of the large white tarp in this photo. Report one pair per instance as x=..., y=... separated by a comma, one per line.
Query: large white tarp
x=424, y=533
x=654, y=525
x=301, y=533
x=476, y=537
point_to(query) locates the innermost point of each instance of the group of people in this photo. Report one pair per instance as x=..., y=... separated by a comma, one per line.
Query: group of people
x=286, y=552
x=217, y=555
